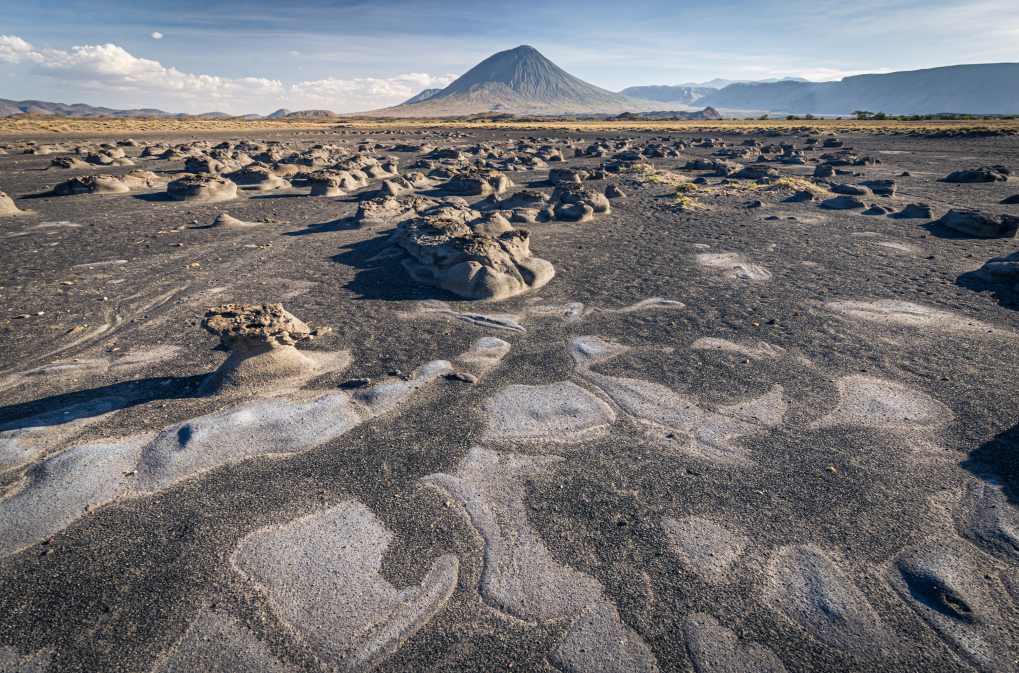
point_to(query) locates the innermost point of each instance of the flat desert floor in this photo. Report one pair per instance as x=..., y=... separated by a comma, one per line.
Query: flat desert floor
x=758, y=420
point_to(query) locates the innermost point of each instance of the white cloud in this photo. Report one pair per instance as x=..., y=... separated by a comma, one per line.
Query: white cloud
x=157, y=35
x=111, y=70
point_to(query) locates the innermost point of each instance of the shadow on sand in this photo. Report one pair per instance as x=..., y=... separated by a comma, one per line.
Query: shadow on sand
x=77, y=405
x=381, y=275
x=998, y=460
x=1004, y=295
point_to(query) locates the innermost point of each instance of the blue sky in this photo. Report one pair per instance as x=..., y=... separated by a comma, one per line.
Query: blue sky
x=256, y=56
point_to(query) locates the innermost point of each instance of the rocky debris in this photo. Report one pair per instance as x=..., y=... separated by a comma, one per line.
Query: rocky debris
x=980, y=225
x=558, y=176
x=877, y=209
x=202, y=188
x=881, y=187
x=397, y=186
x=982, y=174
x=573, y=203
x=614, y=192
x=228, y=220
x=850, y=190
x=843, y=203
x=205, y=164
x=525, y=198
x=258, y=177
x=261, y=340
x=392, y=209
x=68, y=162
x=824, y=171
x=801, y=196
x=756, y=172
x=7, y=206
x=108, y=184
x=449, y=254
x=915, y=211
x=478, y=183
x=334, y=183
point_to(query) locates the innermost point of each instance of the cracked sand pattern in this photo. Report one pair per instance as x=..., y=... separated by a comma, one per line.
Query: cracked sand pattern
x=522, y=578
x=870, y=402
x=715, y=649
x=895, y=313
x=321, y=575
x=704, y=547
x=71, y=482
x=811, y=589
x=557, y=413
x=217, y=643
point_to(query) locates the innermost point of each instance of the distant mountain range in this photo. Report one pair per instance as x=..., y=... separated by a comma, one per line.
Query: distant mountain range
x=38, y=107
x=991, y=88
x=521, y=81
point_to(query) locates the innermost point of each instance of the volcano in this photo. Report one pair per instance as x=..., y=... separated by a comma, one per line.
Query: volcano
x=516, y=81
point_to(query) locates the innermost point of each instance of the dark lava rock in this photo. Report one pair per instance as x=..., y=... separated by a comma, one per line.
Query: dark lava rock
x=982, y=174
x=980, y=225
x=850, y=190
x=915, y=211
x=843, y=203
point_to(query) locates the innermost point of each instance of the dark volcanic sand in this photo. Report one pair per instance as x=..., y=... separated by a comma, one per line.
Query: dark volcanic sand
x=806, y=543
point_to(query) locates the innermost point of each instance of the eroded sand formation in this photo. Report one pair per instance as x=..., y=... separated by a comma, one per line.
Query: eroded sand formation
x=742, y=430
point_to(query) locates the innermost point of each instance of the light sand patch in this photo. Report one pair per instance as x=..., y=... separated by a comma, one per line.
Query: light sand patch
x=704, y=547
x=892, y=312
x=272, y=427
x=898, y=246
x=522, y=578
x=60, y=490
x=677, y=421
x=990, y=520
x=12, y=662
x=558, y=413
x=26, y=439
x=952, y=590
x=812, y=591
x=734, y=266
x=321, y=576
x=218, y=643
x=680, y=424
x=434, y=309
x=599, y=642
x=876, y=403
x=588, y=351
x=116, y=363
x=484, y=355
x=755, y=350
x=715, y=649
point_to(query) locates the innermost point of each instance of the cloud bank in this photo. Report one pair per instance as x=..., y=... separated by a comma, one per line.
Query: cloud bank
x=108, y=70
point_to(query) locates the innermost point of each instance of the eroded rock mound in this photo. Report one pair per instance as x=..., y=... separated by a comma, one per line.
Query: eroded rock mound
x=203, y=188
x=450, y=254
x=7, y=206
x=261, y=339
x=981, y=174
x=980, y=225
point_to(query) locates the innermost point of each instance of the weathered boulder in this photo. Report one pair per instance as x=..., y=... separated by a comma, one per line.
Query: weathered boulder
x=202, y=188
x=980, y=225
x=261, y=340
x=451, y=255
x=996, y=173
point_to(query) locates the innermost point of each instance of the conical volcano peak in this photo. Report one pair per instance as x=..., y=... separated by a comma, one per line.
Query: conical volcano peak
x=520, y=80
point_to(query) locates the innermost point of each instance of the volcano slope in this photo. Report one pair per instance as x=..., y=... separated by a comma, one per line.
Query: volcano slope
x=735, y=431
